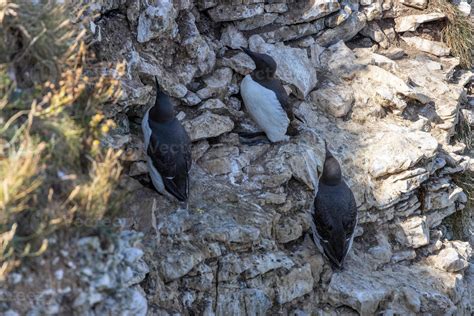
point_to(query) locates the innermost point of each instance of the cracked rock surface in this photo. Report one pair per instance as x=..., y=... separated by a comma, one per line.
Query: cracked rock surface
x=243, y=245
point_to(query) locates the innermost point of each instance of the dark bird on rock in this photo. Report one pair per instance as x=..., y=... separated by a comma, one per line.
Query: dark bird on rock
x=167, y=147
x=266, y=99
x=335, y=214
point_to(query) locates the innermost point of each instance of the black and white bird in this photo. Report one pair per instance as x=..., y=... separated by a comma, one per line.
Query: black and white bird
x=168, y=148
x=335, y=214
x=265, y=97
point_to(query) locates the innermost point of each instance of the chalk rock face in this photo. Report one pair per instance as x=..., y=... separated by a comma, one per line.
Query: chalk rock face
x=233, y=38
x=242, y=244
x=156, y=20
x=413, y=232
x=345, y=31
x=333, y=99
x=208, y=125
x=311, y=11
x=227, y=12
x=424, y=45
x=419, y=4
x=449, y=260
x=411, y=22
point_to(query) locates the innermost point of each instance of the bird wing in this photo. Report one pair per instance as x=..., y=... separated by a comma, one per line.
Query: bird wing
x=173, y=164
x=350, y=221
x=282, y=97
x=334, y=209
x=321, y=218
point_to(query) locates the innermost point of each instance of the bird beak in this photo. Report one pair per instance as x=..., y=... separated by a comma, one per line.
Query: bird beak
x=250, y=53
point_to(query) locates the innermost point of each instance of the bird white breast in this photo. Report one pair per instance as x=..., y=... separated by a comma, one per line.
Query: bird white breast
x=265, y=109
x=154, y=174
x=146, y=130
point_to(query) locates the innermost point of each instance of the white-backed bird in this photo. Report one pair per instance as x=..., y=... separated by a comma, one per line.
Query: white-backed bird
x=335, y=214
x=168, y=148
x=265, y=98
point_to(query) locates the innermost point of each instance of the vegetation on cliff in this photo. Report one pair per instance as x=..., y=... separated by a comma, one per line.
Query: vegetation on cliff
x=53, y=170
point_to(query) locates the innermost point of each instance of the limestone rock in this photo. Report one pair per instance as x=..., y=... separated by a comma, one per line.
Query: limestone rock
x=206, y=4
x=257, y=265
x=385, y=160
x=276, y=7
x=156, y=20
x=320, y=8
x=292, y=32
x=413, y=232
x=431, y=47
x=362, y=295
x=256, y=22
x=196, y=46
x=295, y=284
x=233, y=38
x=217, y=84
x=288, y=230
x=179, y=261
x=373, y=11
x=373, y=30
x=464, y=7
x=333, y=99
x=226, y=12
x=339, y=61
x=252, y=301
x=449, y=260
x=240, y=63
x=411, y=22
x=308, y=12
x=419, y=4
x=339, y=17
x=208, y=125
x=345, y=31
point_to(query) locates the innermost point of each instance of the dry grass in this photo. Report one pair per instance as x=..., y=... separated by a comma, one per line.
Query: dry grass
x=458, y=32
x=35, y=38
x=52, y=94
x=462, y=222
x=94, y=197
x=464, y=132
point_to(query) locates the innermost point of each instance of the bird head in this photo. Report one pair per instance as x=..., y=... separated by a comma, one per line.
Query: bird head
x=332, y=170
x=265, y=64
x=162, y=110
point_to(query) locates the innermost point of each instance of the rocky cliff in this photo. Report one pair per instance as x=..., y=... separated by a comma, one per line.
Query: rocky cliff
x=373, y=79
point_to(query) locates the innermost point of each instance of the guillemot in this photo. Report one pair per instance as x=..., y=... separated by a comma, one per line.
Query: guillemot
x=335, y=213
x=265, y=98
x=168, y=148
